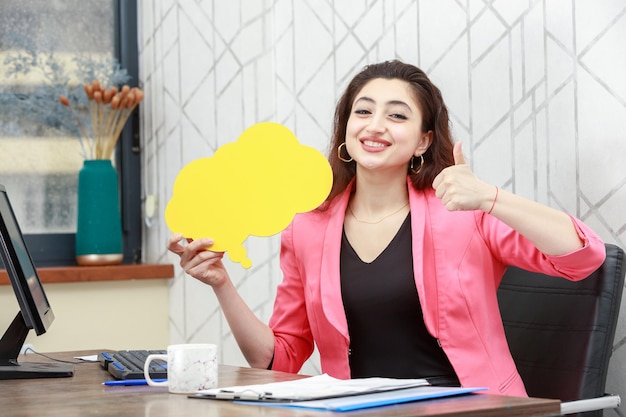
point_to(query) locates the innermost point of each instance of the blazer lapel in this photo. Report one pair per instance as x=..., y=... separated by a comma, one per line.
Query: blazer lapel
x=330, y=283
x=424, y=266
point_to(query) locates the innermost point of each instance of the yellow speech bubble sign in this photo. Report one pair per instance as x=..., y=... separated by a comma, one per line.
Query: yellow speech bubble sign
x=254, y=186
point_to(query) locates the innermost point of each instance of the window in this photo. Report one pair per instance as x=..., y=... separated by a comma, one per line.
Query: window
x=41, y=42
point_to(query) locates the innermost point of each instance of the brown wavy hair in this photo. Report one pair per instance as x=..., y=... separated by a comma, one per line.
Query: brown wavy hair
x=434, y=118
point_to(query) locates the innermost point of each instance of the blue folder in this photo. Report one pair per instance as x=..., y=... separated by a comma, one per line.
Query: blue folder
x=378, y=399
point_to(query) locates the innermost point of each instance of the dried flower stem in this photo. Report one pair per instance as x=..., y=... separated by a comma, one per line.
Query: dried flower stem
x=109, y=110
x=84, y=136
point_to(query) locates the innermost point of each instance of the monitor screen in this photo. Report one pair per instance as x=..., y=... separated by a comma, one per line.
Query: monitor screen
x=34, y=308
x=30, y=294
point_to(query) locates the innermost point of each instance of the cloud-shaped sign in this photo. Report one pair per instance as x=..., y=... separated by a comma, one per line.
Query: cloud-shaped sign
x=254, y=186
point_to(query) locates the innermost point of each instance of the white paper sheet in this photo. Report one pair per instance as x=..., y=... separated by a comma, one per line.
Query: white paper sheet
x=315, y=387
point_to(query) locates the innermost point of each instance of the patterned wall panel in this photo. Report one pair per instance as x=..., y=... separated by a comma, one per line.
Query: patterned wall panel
x=535, y=90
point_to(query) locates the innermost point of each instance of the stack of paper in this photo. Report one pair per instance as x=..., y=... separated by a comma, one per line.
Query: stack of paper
x=328, y=393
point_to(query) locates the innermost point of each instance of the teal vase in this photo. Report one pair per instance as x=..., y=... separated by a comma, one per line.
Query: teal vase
x=99, y=223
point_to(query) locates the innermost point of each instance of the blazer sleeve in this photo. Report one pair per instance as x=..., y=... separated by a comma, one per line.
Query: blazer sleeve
x=511, y=248
x=293, y=337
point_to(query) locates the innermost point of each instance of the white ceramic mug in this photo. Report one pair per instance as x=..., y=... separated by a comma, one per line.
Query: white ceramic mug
x=190, y=368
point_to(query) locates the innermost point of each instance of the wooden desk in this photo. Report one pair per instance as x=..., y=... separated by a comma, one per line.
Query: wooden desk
x=84, y=395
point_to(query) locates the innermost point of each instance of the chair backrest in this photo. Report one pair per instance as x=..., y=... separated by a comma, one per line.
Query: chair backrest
x=560, y=332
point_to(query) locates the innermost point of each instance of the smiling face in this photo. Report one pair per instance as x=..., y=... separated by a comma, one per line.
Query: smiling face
x=438, y=144
x=384, y=130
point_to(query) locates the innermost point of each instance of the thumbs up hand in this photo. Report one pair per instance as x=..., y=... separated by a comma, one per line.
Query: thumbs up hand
x=459, y=189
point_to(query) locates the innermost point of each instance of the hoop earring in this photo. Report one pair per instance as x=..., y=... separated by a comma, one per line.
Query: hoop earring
x=416, y=171
x=339, y=153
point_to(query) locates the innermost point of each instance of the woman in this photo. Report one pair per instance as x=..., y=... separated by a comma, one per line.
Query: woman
x=396, y=274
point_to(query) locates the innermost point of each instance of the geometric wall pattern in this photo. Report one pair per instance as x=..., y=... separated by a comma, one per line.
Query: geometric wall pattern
x=536, y=91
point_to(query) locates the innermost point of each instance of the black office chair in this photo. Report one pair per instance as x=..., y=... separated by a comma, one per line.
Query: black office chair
x=560, y=332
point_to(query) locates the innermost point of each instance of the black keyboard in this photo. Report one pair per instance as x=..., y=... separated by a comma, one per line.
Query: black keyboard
x=128, y=364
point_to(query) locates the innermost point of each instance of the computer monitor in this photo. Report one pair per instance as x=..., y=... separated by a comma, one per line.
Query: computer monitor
x=34, y=309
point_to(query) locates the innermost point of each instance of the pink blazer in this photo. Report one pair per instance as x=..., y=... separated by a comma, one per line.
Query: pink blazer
x=458, y=260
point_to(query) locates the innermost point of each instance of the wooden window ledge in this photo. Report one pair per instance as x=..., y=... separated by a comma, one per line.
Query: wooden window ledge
x=99, y=273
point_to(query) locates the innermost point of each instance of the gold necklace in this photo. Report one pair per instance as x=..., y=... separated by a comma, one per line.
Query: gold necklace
x=379, y=220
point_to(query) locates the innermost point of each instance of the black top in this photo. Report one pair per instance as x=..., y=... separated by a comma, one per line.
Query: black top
x=388, y=337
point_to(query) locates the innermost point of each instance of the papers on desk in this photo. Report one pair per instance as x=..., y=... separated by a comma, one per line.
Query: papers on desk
x=312, y=388
x=327, y=393
x=89, y=358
